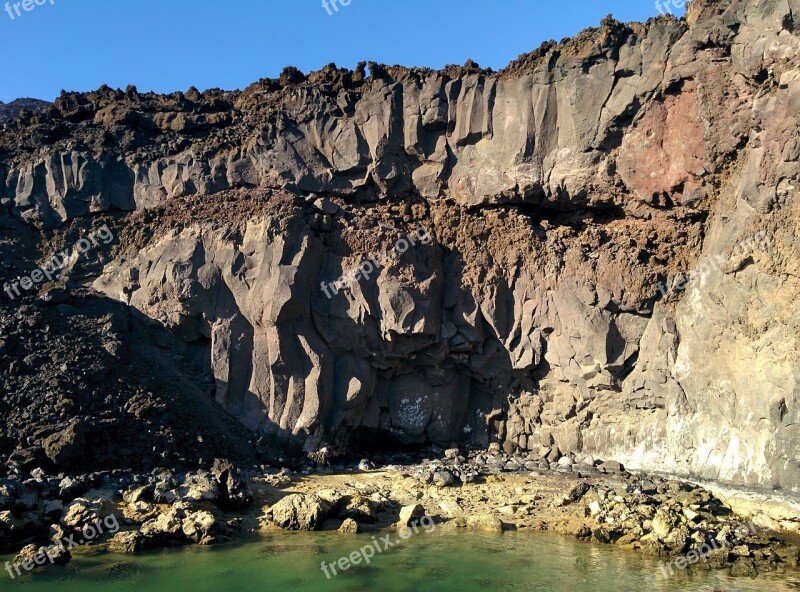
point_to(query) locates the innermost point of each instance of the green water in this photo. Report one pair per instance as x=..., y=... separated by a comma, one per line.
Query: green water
x=425, y=562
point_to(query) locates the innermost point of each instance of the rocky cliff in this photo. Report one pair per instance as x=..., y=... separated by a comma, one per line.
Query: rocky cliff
x=608, y=263
x=12, y=110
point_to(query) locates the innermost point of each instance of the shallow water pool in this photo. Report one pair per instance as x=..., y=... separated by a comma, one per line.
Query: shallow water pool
x=427, y=561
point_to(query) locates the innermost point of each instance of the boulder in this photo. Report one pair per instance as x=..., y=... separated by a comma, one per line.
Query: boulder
x=663, y=523
x=165, y=529
x=485, y=523
x=198, y=487
x=443, y=478
x=127, y=542
x=79, y=513
x=163, y=493
x=349, y=526
x=232, y=484
x=578, y=491
x=33, y=557
x=332, y=496
x=200, y=527
x=139, y=493
x=611, y=466
x=140, y=511
x=67, y=446
x=360, y=509
x=299, y=512
x=410, y=514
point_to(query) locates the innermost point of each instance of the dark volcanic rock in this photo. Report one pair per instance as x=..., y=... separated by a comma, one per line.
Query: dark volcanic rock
x=66, y=446
x=232, y=483
x=539, y=224
x=12, y=110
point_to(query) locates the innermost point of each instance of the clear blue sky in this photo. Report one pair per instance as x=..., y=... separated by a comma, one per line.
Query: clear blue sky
x=168, y=45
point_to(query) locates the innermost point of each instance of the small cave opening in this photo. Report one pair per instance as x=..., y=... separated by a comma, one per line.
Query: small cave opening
x=372, y=443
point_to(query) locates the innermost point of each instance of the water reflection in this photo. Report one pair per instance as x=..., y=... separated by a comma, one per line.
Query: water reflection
x=429, y=562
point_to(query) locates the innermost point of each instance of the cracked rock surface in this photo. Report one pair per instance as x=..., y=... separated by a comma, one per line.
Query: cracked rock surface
x=564, y=198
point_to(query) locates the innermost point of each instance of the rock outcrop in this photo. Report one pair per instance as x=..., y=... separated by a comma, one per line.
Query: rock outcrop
x=299, y=512
x=591, y=251
x=17, y=107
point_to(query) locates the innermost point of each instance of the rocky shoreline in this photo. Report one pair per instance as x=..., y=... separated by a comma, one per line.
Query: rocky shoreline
x=487, y=490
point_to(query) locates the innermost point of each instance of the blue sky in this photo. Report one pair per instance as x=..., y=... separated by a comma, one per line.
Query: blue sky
x=168, y=45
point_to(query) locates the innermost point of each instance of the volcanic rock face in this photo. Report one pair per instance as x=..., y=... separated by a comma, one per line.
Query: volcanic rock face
x=536, y=220
x=9, y=111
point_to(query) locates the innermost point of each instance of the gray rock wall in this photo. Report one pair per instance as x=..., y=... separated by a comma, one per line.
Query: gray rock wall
x=559, y=193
